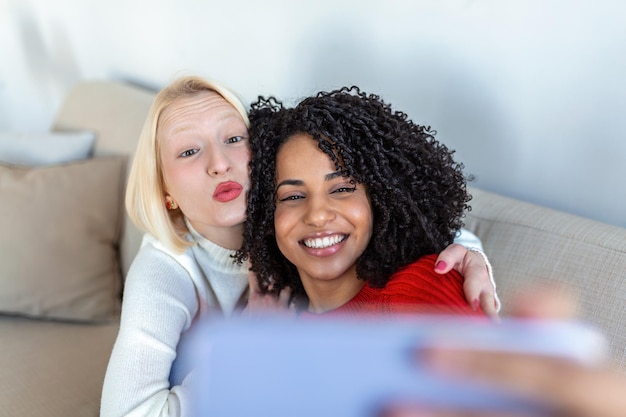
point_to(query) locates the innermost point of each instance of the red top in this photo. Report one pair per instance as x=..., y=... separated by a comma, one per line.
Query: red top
x=416, y=288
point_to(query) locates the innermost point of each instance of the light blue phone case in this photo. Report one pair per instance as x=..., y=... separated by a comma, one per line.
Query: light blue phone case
x=276, y=367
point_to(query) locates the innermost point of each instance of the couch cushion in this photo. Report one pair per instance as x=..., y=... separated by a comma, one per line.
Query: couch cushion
x=60, y=231
x=116, y=112
x=533, y=245
x=53, y=368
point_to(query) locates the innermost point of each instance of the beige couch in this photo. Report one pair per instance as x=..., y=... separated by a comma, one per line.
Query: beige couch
x=55, y=367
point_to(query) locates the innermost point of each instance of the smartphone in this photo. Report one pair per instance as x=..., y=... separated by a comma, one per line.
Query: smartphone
x=279, y=367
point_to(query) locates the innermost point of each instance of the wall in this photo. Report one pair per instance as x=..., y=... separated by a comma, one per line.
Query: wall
x=531, y=93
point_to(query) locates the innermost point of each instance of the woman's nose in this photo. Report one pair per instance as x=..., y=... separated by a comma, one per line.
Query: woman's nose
x=218, y=163
x=319, y=212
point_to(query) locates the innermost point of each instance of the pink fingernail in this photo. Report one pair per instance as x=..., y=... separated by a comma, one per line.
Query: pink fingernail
x=476, y=304
x=441, y=265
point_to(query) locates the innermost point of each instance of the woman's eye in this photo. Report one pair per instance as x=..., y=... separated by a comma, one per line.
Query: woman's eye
x=349, y=189
x=290, y=198
x=234, y=139
x=189, y=152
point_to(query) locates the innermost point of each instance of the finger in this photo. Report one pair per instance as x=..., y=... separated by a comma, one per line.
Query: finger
x=488, y=305
x=517, y=370
x=253, y=282
x=284, y=297
x=544, y=301
x=477, y=284
x=474, y=285
x=451, y=257
x=413, y=410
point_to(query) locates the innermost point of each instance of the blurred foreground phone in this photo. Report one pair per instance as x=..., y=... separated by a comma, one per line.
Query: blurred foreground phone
x=278, y=367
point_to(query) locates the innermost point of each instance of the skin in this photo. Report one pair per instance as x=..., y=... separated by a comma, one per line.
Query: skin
x=205, y=144
x=572, y=389
x=323, y=222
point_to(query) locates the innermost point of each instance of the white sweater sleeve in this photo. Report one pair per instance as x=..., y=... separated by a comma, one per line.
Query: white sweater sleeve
x=159, y=304
x=469, y=240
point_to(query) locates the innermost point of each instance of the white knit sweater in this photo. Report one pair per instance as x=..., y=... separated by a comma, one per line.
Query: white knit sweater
x=163, y=295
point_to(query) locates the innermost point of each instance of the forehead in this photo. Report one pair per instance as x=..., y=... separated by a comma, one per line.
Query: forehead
x=301, y=154
x=202, y=105
x=299, y=145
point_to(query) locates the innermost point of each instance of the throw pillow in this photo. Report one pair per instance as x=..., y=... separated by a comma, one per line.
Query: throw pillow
x=58, y=246
x=38, y=149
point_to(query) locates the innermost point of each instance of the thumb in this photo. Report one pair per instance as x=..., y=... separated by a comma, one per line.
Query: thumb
x=551, y=301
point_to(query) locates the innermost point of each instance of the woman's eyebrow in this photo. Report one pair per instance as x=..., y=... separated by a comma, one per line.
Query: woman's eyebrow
x=327, y=177
x=289, y=182
x=333, y=175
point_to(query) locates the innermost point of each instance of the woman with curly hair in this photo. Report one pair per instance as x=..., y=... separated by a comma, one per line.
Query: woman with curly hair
x=349, y=204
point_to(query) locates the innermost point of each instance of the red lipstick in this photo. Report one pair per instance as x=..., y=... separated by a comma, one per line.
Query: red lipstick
x=227, y=191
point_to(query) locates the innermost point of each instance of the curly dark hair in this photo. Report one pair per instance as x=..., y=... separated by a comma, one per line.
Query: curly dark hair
x=417, y=191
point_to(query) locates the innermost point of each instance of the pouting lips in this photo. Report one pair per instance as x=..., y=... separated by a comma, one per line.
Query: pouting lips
x=227, y=191
x=323, y=242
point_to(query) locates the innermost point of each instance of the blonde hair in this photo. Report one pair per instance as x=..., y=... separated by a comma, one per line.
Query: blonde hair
x=145, y=192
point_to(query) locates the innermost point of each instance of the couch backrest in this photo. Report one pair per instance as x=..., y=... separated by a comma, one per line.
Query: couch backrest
x=116, y=112
x=527, y=242
x=523, y=241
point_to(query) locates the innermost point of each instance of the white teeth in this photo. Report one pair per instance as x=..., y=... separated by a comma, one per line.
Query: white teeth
x=320, y=243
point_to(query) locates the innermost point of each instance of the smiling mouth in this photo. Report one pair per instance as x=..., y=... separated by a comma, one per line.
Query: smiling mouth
x=323, y=242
